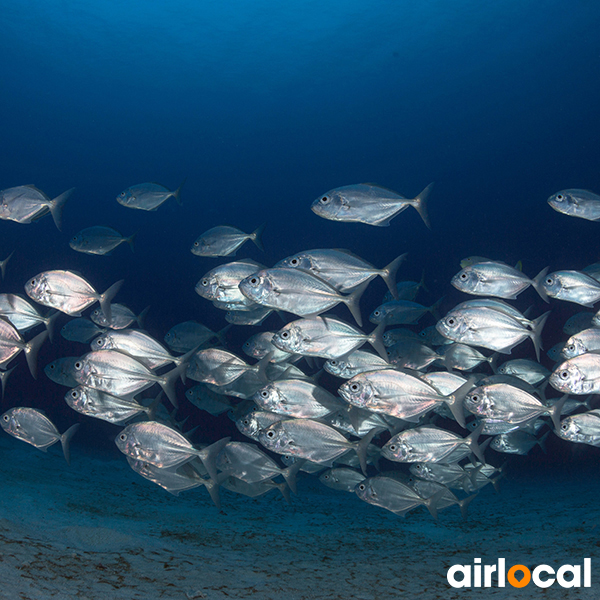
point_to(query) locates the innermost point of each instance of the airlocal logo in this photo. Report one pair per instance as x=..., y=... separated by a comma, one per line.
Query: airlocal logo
x=519, y=576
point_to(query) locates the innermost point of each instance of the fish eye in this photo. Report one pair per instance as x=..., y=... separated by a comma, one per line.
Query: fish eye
x=549, y=280
x=99, y=342
x=51, y=366
x=78, y=365
x=418, y=467
x=475, y=399
x=564, y=374
x=294, y=262
x=325, y=476
x=264, y=393
x=376, y=313
x=6, y=418
x=451, y=321
x=564, y=426
x=463, y=276
x=122, y=194
x=362, y=487
x=571, y=347
x=32, y=282
x=355, y=387
x=196, y=244
x=393, y=447
x=333, y=363
x=254, y=280
x=270, y=434
x=123, y=437
x=246, y=422
x=204, y=282
x=324, y=199
x=74, y=394
x=285, y=335
x=560, y=197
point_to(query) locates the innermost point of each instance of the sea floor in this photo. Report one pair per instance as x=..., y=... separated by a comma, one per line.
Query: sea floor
x=96, y=530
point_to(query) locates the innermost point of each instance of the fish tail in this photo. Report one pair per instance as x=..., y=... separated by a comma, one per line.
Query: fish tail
x=31, y=351
x=4, y=378
x=106, y=298
x=3, y=264
x=556, y=410
x=49, y=322
x=464, y=504
x=130, y=241
x=65, y=439
x=141, y=318
x=536, y=333
x=57, y=205
x=388, y=274
x=433, y=501
x=213, y=487
x=455, y=400
x=362, y=446
x=420, y=203
x=352, y=302
x=476, y=449
x=261, y=366
x=177, y=193
x=376, y=340
x=167, y=383
x=208, y=456
x=220, y=335
x=289, y=474
x=542, y=442
x=536, y=282
x=151, y=410
x=256, y=237
x=434, y=309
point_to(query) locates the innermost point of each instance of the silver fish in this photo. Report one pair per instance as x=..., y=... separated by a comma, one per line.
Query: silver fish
x=221, y=367
x=517, y=442
x=121, y=375
x=494, y=278
x=147, y=196
x=358, y=361
x=587, y=340
x=68, y=292
x=26, y=203
x=341, y=479
x=431, y=444
x=11, y=343
x=576, y=203
x=370, y=204
x=578, y=375
x=260, y=344
x=253, y=422
x=185, y=336
x=23, y=315
x=120, y=317
x=489, y=328
x=298, y=292
x=572, y=286
x=578, y=322
x=81, y=330
x=4, y=263
x=62, y=371
x=583, y=428
x=225, y=241
x=527, y=370
x=32, y=426
x=326, y=337
x=342, y=269
x=99, y=240
x=401, y=312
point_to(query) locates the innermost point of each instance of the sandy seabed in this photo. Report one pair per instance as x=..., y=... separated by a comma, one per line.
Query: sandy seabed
x=96, y=530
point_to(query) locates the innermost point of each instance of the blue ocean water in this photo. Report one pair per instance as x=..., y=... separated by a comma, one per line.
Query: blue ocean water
x=261, y=107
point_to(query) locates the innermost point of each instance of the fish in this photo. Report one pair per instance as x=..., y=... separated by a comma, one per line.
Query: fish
x=463, y=357
x=342, y=269
x=402, y=312
x=99, y=240
x=255, y=421
x=62, y=371
x=412, y=354
x=523, y=368
x=312, y=440
x=341, y=478
x=297, y=398
x=225, y=241
x=24, y=316
x=101, y=405
x=121, y=375
x=11, y=343
x=504, y=402
x=517, y=442
x=148, y=196
x=26, y=204
x=370, y=204
x=164, y=447
x=32, y=426
x=572, y=286
x=587, y=340
x=582, y=204
x=583, y=428
x=68, y=292
x=121, y=317
x=578, y=322
x=220, y=367
x=188, y=335
x=298, y=292
x=578, y=375
x=490, y=328
x=493, y=278
x=325, y=337
x=428, y=443
x=260, y=344
x=358, y=361
x=81, y=330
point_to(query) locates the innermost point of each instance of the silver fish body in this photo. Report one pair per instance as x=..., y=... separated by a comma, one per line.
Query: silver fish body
x=576, y=203
x=147, y=196
x=587, y=340
x=26, y=204
x=224, y=241
x=99, y=240
x=578, y=375
x=583, y=428
x=572, y=286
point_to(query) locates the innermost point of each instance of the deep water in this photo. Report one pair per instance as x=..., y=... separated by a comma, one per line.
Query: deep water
x=261, y=107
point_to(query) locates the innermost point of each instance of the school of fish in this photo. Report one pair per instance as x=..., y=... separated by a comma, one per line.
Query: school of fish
x=433, y=402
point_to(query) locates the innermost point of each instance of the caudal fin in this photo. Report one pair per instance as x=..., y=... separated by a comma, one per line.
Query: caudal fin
x=3, y=264
x=57, y=205
x=256, y=237
x=352, y=302
x=420, y=203
x=177, y=193
x=388, y=274
x=31, y=351
x=106, y=298
x=65, y=439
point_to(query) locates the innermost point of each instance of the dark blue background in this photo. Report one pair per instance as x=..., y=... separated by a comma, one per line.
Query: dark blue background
x=264, y=106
